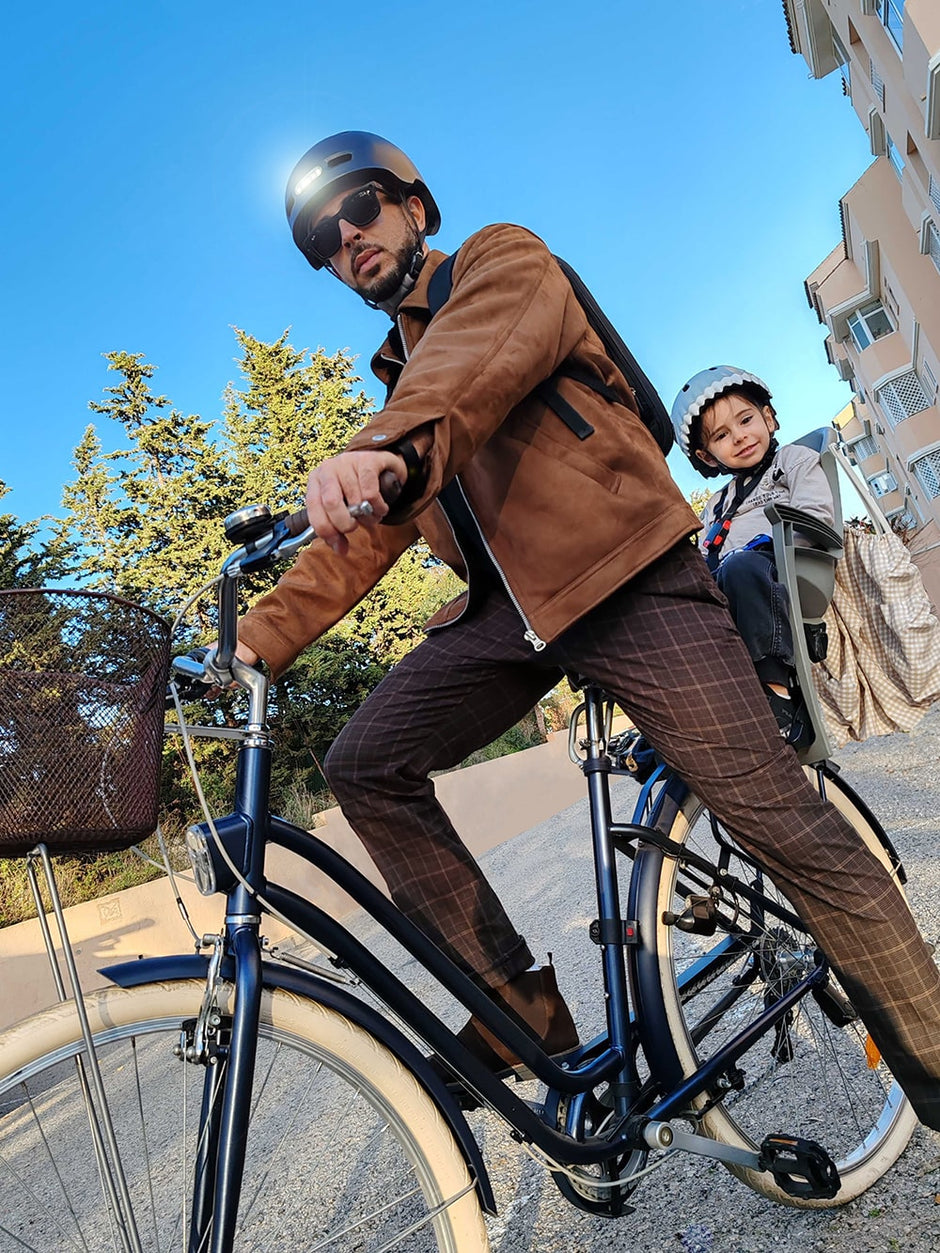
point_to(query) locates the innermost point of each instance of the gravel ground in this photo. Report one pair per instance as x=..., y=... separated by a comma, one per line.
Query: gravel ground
x=545, y=878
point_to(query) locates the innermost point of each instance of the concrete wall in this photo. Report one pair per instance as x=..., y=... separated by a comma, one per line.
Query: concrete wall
x=488, y=803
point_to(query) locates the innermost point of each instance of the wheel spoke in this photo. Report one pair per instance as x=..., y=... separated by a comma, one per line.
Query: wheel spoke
x=808, y=1075
x=344, y=1148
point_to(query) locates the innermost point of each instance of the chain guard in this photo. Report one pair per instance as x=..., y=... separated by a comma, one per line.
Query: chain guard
x=581, y=1116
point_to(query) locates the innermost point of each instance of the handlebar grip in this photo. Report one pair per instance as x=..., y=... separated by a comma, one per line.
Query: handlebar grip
x=389, y=486
x=296, y=523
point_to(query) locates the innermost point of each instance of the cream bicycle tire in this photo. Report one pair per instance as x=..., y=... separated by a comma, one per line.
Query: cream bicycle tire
x=295, y=1173
x=861, y=1115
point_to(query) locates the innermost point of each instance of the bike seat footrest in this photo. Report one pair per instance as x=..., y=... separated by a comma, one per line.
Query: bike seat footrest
x=801, y=1168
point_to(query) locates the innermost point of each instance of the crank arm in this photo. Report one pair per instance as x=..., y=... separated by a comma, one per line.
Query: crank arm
x=666, y=1135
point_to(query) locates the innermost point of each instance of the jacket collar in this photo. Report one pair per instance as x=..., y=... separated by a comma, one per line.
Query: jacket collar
x=417, y=298
x=387, y=362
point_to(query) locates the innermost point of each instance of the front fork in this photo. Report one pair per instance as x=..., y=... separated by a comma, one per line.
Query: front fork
x=227, y=1049
x=229, y=1057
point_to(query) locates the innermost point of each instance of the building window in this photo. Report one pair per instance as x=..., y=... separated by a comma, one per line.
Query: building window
x=869, y=323
x=927, y=470
x=891, y=13
x=930, y=381
x=891, y=152
x=902, y=397
x=862, y=449
x=934, y=190
x=881, y=484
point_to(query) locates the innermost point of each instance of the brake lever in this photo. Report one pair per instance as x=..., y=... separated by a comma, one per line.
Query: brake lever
x=188, y=674
x=259, y=552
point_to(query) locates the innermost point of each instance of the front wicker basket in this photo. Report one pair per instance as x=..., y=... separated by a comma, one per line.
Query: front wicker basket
x=82, y=685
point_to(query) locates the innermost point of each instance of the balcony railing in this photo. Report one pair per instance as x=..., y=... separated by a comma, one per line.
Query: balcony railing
x=902, y=397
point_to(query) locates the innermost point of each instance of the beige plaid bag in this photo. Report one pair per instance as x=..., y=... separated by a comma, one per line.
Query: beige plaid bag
x=882, y=671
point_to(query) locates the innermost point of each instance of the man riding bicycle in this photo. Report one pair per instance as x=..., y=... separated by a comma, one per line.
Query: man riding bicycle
x=574, y=544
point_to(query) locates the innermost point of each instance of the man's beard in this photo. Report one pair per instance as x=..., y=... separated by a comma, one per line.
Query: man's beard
x=387, y=285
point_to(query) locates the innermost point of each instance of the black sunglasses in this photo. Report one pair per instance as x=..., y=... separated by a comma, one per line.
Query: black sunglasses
x=358, y=209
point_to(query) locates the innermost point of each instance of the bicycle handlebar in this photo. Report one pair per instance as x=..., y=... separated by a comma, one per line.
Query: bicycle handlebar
x=389, y=486
x=264, y=538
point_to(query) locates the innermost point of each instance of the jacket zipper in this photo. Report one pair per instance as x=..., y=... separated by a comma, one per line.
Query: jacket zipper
x=530, y=635
x=401, y=335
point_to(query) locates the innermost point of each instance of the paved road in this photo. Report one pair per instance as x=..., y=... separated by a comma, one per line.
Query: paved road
x=545, y=878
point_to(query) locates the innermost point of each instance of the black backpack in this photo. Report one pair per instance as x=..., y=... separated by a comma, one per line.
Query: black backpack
x=652, y=410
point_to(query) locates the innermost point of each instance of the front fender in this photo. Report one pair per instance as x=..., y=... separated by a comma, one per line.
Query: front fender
x=302, y=983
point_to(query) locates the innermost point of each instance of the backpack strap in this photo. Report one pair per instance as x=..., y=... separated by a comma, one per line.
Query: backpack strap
x=441, y=282
x=547, y=391
x=439, y=289
x=652, y=411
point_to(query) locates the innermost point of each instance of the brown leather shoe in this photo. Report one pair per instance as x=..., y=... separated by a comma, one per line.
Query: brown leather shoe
x=534, y=1000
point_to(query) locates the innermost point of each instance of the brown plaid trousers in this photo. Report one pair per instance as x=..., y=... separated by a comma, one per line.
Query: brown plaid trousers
x=665, y=647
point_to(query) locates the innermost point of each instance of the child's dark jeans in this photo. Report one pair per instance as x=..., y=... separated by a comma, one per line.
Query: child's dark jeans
x=760, y=607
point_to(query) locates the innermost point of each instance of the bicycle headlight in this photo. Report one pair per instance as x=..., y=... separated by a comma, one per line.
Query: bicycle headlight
x=197, y=848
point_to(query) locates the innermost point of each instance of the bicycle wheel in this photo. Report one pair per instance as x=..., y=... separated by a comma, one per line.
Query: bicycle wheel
x=816, y=1076
x=345, y=1150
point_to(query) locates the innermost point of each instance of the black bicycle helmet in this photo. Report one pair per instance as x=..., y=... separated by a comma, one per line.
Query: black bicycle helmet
x=698, y=393
x=342, y=161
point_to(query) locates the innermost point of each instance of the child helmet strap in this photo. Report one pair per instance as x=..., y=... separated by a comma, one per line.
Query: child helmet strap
x=744, y=484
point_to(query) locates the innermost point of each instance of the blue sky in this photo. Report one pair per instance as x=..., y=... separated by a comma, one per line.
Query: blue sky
x=677, y=154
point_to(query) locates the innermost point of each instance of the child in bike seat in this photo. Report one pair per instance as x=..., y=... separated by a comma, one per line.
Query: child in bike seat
x=725, y=424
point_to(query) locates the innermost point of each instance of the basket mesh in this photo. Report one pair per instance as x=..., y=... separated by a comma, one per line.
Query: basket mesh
x=82, y=683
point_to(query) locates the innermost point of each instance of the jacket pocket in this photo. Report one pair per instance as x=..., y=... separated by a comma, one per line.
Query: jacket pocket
x=550, y=437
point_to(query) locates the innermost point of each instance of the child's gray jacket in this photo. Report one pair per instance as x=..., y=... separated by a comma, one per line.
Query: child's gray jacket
x=794, y=477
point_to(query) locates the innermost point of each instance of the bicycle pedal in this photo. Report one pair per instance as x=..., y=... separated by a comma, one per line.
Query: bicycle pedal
x=801, y=1168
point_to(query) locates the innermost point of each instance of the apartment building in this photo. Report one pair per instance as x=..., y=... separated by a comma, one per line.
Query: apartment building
x=878, y=291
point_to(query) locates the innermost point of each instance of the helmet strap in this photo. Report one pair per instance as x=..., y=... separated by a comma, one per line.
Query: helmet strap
x=390, y=305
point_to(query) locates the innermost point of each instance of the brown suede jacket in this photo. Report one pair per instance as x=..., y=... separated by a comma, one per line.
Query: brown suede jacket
x=567, y=520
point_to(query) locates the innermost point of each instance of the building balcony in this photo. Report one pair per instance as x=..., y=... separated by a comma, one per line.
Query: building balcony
x=921, y=430
x=853, y=428
x=921, y=63
x=834, y=282
x=891, y=502
x=877, y=463
x=810, y=32
x=887, y=355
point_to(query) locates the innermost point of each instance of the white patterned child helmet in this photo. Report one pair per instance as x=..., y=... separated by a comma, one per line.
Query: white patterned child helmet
x=698, y=393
